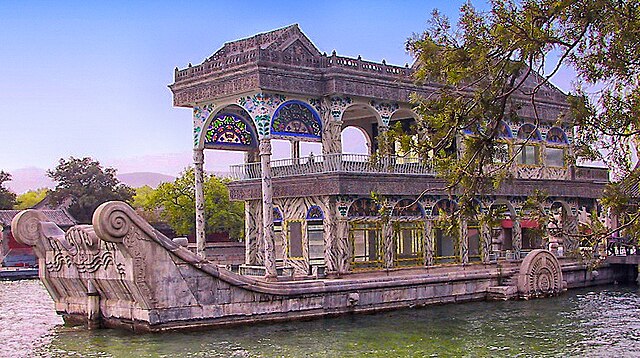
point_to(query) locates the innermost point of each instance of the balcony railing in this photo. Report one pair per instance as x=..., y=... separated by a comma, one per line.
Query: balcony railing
x=333, y=163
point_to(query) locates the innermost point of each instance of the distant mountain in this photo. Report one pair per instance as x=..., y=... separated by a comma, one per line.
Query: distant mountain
x=26, y=179
x=23, y=180
x=139, y=179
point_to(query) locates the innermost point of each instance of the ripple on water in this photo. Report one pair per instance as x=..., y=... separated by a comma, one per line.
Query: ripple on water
x=594, y=322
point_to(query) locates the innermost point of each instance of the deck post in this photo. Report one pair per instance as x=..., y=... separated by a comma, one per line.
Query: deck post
x=198, y=163
x=267, y=210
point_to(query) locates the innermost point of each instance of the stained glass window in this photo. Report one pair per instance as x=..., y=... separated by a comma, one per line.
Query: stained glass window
x=504, y=131
x=363, y=207
x=529, y=131
x=556, y=135
x=444, y=205
x=298, y=119
x=315, y=213
x=407, y=207
x=229, y=130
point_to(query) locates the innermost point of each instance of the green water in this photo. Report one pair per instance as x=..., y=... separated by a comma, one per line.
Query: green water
x=597, y=322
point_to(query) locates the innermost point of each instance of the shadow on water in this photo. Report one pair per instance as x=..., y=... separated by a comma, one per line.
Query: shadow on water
x=602, y=321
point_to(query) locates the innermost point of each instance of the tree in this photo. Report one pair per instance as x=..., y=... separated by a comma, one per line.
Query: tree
x=30, y=198
x=176, y=203
x=485, y=61
x=7, y=198
x=87, y=185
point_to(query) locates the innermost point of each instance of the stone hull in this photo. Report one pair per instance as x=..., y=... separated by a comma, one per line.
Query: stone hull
x=120, y=272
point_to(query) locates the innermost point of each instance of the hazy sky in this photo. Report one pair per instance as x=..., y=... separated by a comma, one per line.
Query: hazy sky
x=90, y=78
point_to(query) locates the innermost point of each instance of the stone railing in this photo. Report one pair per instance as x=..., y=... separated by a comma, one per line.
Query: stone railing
x=591, y=173
x=333, y=163
x=324, y=61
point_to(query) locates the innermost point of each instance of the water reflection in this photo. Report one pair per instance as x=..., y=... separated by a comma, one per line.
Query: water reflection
x=600, y=322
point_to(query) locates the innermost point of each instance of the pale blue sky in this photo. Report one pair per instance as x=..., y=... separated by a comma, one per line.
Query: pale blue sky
x=90, y=78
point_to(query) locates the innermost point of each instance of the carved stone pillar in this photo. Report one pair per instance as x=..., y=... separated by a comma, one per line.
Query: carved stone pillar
x=198, y=163
x=517, y=238
x=267, y=210
x=464, y=241
x=569, y=232
x=485, y=242
x=429, y=243
x=387, y=242
x=295, y=150
x=343, y=247
x=330, y=235
x=331, y=129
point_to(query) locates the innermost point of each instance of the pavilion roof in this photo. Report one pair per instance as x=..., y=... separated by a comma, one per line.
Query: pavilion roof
x=59, y=217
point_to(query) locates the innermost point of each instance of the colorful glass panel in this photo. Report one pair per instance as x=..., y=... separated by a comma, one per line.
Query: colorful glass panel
x=298, y=119
x=529, y=131
x=406, y=207
x=444, y=205
x=504, y=131
x=228, y=129
x=277, y=215
x=363, y=207
x=315, y=213
x=556, y=135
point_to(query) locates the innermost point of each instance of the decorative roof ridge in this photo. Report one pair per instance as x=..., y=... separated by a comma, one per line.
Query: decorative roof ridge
x=261, y=40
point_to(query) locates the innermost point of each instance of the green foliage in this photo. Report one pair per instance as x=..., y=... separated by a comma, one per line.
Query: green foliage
x=30, y=198
x=87, y=185
x=484, y=60
x=175, y=203
x=7, y=198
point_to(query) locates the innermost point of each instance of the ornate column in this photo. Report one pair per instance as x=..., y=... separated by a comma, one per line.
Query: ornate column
x=343, y=247
x=464, y=241
x=267, y=210
x=429, y=243
x=517, y=238
x=569, y=232
x=198, y=163
x=485, y=242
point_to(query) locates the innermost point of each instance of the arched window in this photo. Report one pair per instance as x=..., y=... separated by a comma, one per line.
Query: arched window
x=363, y=207
x=504, y=131
x=556, y=148
x=529, y=132
x=296, y=119
x=528, y=152
x=230, y=131
x=315, y=235
x=408, y=233
x=446, y=244
x=557, y=135
x=365, y=234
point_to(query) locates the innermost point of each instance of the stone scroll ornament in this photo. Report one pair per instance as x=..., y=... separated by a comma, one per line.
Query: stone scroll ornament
x=116, y=222
x=540, y=275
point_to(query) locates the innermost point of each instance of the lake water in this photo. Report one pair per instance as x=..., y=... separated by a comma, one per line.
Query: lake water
x=597, y=322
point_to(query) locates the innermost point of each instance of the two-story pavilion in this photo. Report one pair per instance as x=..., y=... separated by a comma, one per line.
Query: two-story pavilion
x=309, y=212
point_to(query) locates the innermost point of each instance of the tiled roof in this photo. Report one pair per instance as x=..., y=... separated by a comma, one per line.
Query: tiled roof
x=59, y=217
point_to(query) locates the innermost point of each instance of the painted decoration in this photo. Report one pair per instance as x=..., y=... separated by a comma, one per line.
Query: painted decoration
x=557, y=135
x=228, y=130
x=200, y=115
x=298, y=119
x=385, y=110
x=338, y=105
x=315, y=213
x=363, y=207
x=529, y=131
x=407, y=207
x=444, y=205
x=261, y=106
